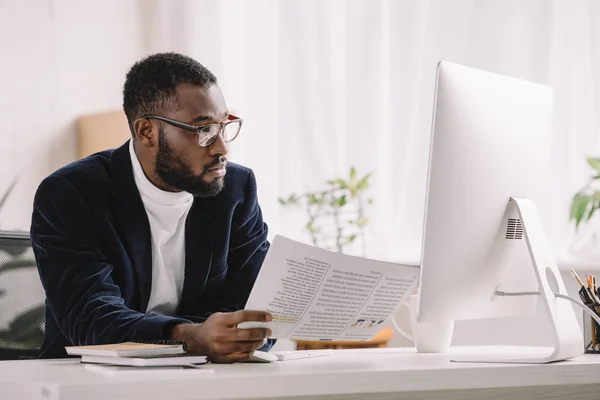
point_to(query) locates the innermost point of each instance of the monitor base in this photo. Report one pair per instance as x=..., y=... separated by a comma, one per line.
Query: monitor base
x=564, y=328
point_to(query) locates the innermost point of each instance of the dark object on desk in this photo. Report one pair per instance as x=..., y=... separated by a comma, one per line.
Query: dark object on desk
x=588, y=293
x=591, y=335
x=21, y=299
x=591, y=329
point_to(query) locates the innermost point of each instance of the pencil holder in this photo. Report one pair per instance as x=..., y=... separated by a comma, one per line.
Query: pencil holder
x=591, y=335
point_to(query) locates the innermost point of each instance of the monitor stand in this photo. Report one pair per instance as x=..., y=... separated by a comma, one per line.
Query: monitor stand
x=565, y=330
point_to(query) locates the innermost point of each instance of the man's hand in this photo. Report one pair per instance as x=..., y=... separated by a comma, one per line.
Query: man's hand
x=220, y=339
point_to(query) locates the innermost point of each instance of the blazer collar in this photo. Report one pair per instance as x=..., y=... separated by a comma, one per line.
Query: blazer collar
x=124, y=187
x=136, y=231
x=133, y=220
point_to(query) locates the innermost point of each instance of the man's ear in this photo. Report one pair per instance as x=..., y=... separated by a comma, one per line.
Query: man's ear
x=146, y=132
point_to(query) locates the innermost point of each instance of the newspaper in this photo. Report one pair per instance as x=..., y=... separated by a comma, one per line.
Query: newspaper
x=316, y=294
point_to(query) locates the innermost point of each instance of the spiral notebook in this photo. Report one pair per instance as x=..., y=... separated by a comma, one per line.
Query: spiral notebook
x=146, y=349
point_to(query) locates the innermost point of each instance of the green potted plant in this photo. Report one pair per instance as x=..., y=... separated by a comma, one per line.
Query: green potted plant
x=584, y=206
x=336, y=215
x=587, y=200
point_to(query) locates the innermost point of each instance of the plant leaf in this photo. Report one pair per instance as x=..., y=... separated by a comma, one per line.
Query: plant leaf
x=342, y=200
x=578, y=207
x=350, y=239
x=592, y=209
x=362, y=222
x=342, y=184
x=594, y=163
x=352, y=173
x=364, y=182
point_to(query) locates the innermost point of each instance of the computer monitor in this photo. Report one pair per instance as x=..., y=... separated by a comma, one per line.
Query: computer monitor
x=489, y=167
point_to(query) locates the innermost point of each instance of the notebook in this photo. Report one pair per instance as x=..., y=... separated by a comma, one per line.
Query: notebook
x=157, y=348
x=182, y=360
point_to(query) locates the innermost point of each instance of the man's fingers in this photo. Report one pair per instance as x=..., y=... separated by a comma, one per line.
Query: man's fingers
x=237, y=357
x=230, y=343
x=224, y=358
x=235, y=351
x=245, y=347
x=249, y=335
x=248, y=316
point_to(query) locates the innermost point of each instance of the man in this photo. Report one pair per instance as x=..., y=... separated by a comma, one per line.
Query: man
x=161, y=238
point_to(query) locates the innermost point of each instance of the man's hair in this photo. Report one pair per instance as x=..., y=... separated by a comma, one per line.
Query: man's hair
x=151, y=83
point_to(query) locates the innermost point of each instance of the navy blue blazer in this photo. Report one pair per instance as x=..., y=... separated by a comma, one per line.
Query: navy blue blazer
x=91, y=239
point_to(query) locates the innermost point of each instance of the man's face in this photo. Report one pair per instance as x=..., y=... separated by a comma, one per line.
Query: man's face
x=180, y=161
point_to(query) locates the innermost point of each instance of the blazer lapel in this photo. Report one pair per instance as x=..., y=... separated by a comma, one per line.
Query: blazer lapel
x=199, y=238
x=133, y=221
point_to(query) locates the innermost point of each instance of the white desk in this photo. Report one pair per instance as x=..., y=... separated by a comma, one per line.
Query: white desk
x=353, y=374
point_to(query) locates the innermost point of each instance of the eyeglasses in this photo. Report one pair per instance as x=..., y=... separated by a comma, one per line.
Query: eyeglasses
x=207, y=134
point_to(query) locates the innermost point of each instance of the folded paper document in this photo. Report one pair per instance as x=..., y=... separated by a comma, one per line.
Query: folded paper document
x=315, y=294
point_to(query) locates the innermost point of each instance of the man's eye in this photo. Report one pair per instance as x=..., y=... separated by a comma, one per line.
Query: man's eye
x=205, y=130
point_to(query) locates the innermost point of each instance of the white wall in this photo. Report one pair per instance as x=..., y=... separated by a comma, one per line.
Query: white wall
x=60, y=59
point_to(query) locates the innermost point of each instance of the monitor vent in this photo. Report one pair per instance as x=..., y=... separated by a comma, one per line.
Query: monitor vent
x=514, y=229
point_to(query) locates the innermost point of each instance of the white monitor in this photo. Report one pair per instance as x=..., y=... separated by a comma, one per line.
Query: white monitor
x=489, y=164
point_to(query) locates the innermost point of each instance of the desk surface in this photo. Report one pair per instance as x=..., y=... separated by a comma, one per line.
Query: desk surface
x=378, y=373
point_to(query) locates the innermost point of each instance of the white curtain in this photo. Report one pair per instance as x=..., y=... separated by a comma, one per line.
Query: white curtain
x=328, y=84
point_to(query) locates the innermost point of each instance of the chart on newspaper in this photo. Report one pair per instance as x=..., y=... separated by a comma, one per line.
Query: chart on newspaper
x=316, y=294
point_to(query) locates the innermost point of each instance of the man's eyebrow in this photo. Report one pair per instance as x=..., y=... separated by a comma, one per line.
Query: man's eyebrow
x=203, y=118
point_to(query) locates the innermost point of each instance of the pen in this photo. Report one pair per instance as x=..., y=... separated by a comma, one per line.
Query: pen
x=583, y=294
x=596, y=326
x=596, y=306
x=590, y=290
x=576, y=277
x=585, y=297
x=594, y=342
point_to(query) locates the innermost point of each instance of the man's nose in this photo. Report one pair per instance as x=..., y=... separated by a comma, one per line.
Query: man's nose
x=219, y=146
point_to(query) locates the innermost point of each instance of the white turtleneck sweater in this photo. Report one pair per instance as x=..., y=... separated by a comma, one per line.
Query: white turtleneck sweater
x=167, y=213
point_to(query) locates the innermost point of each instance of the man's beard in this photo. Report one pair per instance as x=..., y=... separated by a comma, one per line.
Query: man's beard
x=177, y=174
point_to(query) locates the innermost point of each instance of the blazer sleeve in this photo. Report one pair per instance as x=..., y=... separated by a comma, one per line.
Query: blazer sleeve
x=248, y=247
x=247, y=250
x=77, y=276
